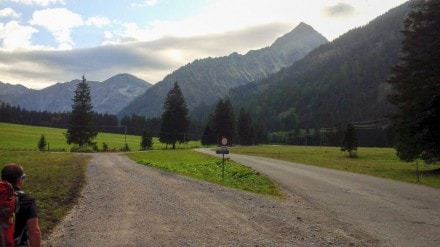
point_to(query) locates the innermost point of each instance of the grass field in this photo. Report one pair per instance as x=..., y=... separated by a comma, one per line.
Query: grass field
x=380, y=162
x=205, y=167
x=24, y=137
x=53, y=179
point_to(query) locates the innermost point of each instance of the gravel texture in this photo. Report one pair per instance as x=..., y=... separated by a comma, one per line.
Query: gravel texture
x=127, y=204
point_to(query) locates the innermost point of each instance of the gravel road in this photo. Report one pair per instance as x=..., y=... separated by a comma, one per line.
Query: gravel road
x=126, y=204
x=395, y=213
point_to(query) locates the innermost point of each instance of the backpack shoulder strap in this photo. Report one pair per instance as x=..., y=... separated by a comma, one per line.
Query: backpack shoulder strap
x=18, y=194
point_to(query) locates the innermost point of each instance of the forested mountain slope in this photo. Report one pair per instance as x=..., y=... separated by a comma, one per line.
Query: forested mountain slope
x=206, y=80
x=339, y=82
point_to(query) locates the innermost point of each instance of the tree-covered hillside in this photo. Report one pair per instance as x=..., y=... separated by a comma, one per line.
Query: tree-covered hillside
x=339, y=82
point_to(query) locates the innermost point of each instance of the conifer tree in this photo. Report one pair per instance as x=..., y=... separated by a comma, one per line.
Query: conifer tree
x=146, y=140
x=175, y=120
x=415, y=81
x=81, y=130
x=245, y=128
x=42, y=143
x=349, y=142
x=224, y=121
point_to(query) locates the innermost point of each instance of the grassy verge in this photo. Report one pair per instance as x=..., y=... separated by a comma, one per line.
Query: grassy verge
x=380, y=162
x=53, y=179
x=208, y=168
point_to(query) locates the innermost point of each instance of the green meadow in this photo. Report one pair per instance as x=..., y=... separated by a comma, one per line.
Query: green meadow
x=380, y=162
x=209, y=168
x=25, y=138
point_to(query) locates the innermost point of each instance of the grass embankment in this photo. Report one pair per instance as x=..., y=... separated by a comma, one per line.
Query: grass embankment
x=208, y=168
x=53, y=179
x=380, y=162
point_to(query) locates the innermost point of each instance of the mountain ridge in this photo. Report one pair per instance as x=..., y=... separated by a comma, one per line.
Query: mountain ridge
x=108, y=96
x=207, y=79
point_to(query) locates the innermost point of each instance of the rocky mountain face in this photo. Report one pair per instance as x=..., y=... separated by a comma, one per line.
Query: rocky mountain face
x=339, y=82
x=206, y=80
x=9, y=92
x=109, y=96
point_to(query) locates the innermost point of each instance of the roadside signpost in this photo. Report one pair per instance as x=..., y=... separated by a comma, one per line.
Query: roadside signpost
x=223, y=150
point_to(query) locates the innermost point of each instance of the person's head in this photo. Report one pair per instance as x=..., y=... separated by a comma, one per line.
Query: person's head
x=13, y=173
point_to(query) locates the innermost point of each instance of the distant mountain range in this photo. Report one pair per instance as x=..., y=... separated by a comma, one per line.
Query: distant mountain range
x=206, y=80
x=109, y=96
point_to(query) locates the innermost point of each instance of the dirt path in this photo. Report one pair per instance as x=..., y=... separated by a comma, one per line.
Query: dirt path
x=126, y=204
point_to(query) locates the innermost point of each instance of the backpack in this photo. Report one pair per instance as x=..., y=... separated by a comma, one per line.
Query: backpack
x=7, y=214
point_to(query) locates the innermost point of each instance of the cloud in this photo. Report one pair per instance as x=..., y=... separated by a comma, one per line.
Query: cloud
x=39, y=2
x=8, y=12
x=98, y=21
x=145, y=3
x=59, y=22
x=16, y=36
x=151, y=60
x=339, y=11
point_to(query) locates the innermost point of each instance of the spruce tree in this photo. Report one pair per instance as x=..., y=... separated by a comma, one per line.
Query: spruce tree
x=209, y=136
x=175, y=120
x=81, y=130
x=224, y=121
x=416, y=85
x=42, y=143
x=245, y=128
x=146, y=140
x=349, y=142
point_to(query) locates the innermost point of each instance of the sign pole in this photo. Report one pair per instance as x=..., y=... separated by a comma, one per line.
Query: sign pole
x=223, y=167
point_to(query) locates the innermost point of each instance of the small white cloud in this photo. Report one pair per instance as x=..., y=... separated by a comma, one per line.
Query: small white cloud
x=16, y=36
x=98, y=21
x=146, y=3
x=58, y=21
x=39, y=2
x=8, y=12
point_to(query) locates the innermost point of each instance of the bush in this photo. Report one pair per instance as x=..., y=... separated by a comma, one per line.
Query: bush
x=125, y=148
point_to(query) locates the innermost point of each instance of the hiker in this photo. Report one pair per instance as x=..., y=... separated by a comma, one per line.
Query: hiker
x=27, y=229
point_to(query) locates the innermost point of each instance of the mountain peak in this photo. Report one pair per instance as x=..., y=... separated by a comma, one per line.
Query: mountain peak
x=303, y=26
x=303, y=34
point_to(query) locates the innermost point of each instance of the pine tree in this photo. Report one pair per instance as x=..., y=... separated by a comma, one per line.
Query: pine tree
x=42, y=143
x=416, y=85
x=146, y=140
x=175, y=120
x=245, y=128
x=209, y=136
x=349, y=143
x=81, y=130
x=224, y=121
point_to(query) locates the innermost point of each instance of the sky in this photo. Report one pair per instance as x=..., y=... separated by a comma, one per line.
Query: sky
x=43, y=42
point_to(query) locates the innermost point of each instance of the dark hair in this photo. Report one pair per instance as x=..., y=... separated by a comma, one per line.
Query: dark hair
x=12, y=172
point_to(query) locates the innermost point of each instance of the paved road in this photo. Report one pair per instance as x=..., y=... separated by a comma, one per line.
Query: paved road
x=396, y=213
